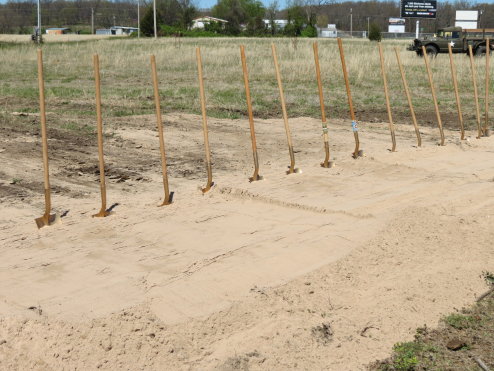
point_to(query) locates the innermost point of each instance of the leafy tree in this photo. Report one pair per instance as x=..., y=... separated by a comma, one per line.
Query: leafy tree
x=374, y=32
x=239, y=13
x=296, y=21
x=188, y=12
x=147, y=22
x=271, y=12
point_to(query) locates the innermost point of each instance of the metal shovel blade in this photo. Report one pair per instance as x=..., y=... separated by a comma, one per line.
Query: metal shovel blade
x=255, y=178
x=208, y=187
x=293, y=171
x=327, y=164
x=102, y=214
x=47, y=220
x=168, y=200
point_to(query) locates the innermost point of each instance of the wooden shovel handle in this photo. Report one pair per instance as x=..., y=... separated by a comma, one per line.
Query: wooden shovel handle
x=325, y=163
x=319, y=82
x=433, y=92
x=457, y=95
x=386, y=95
x=44, y=135
x=250, y=113
x=282, y=95
x=486, y=100
x=347, y=82
x=159, y=123
x=100, y=135
x=409, y=98
x=475, y=90
x=204, y=119
x=349, y=96
x=248, y=98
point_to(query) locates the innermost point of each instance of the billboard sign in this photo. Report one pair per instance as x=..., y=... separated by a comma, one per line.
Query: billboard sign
x=397, y=21
x=467, y=19
x=418, y=8
x=396, y=25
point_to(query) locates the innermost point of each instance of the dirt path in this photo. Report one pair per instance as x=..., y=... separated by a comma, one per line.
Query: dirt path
x=320, y=270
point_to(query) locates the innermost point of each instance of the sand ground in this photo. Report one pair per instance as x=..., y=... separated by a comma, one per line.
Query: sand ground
x=321, y=270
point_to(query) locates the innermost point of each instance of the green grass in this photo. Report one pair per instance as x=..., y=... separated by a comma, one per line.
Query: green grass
x=460, y=321
x=474, y=327
x=127, y=87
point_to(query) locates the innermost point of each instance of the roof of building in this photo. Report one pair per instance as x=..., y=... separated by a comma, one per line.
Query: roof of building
x=123, y=28
x=209, y=18
x=58, y=28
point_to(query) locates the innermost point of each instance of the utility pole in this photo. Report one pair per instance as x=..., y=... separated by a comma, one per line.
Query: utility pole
x=114, y=24
x=38, y=36
x=138, y=19
x=368, y=26
x=92, y=21
x=351, y=23
x=155, y=28
x=417, y=29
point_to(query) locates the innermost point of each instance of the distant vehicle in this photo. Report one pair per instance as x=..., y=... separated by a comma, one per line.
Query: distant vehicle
x=458, y=38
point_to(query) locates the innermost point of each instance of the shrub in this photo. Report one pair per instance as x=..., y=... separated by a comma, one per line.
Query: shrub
x=375, y=32
x=309, y=31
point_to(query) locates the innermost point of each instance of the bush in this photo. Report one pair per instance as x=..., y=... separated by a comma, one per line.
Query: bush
x=375, y=32
x=309, y=31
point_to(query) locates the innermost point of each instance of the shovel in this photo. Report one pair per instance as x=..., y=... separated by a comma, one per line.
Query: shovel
x=291, y=168
x=168, y=196
x=210, y=182
x=457, y=94
x=47, y=219
x=433, y=92
x=326, y=163
x=356, y=153
x=475, y=91
x=386, y=95
x=256, y=175
x=409, y=98
x=103, y=212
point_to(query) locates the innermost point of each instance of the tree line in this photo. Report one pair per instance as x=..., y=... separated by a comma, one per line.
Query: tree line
x=245, y=17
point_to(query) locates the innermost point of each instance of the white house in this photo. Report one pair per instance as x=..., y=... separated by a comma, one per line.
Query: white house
x=116, y=30
x=202, y=21
x=329, y=31
x=279, y=23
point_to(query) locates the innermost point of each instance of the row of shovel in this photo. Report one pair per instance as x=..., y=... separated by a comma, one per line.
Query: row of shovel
x=50, y=219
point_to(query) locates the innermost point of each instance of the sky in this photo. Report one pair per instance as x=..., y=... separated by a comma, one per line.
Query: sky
x=282, y=3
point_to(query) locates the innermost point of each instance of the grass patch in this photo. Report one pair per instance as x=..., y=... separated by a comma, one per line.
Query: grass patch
x=126, y=80
x=454, y=345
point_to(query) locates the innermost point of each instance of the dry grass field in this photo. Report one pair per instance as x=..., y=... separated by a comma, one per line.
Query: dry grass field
x=323, y=270
x=127, y=85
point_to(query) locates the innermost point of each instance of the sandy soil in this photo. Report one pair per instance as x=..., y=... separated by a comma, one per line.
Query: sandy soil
x=321, y=270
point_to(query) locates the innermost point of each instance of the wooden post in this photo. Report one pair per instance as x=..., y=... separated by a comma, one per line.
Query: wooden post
x=168, y=196
x=457, y=95
x=326, y=163
x=256, y=175
x=204, y=122
x=386, y=94
x=475, y=91
x=409, y=98
x=103, y=212
x=356, y=152
x=433, y=92
x=291, y=168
